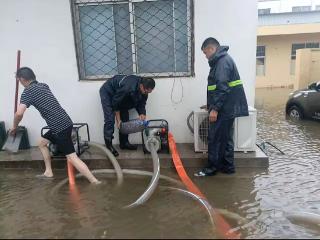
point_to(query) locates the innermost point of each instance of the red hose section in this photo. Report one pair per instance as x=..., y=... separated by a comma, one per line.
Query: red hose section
x=71, y=177
x=223, y=227
x=77, y=204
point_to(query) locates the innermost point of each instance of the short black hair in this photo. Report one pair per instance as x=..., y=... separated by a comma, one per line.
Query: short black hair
x=210, y=41
x=26, y=73
x=148, y=83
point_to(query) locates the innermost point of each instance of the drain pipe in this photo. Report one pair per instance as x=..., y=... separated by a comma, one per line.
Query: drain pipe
x=112, y=159
x=208, y=207
x=304, y=218
x=165, y=178
x=152, y=145
x=109, y=155
x=112, y=171
x=203, y=202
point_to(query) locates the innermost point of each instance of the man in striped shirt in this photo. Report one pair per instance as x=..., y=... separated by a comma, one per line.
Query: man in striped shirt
x=40, y=96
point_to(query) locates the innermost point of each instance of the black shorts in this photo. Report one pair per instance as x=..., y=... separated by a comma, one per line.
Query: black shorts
x=62, y=139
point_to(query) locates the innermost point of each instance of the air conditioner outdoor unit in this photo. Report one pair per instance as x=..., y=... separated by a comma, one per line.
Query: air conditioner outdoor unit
x=244, y=132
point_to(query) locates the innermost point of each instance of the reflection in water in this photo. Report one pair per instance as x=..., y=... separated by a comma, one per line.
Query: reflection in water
x=266, y=198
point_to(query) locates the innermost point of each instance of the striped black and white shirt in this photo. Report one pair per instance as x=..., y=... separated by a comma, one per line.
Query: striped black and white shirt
x=40, y=96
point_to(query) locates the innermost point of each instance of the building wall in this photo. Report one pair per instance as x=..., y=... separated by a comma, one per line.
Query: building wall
x=290, y=29
x=42, y=29
x=315, y=66
x=278, y=58
x=307, y=68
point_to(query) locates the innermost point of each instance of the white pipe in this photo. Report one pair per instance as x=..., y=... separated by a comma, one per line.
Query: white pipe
x=125, y=171
x=154, y=181
x=206, y=205
x=168, y=179
x=112, y=159
x=304, y=218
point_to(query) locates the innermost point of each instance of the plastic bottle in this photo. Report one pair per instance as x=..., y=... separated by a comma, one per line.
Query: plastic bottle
x=133, y=126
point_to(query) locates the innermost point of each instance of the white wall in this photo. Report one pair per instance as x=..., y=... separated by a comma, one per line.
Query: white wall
x=42, y=29
x=286, y=5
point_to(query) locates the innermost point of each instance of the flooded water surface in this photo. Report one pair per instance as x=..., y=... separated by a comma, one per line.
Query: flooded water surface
x=282, y=201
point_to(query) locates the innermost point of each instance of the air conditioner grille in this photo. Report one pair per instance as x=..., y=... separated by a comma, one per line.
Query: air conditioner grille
x=244, y=135
x=201, y=130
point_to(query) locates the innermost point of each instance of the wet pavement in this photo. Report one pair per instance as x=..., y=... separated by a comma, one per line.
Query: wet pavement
x=96, y=159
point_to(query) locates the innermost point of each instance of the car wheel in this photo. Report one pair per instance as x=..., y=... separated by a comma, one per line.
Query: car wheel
x=295, y=113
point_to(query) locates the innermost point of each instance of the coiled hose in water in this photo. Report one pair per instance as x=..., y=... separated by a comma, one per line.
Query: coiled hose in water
x=155, y=177
x=112, y=159
x=163, y=177
x=119, y=173
x=208, y=207
x=112, y=171
x=154, y=181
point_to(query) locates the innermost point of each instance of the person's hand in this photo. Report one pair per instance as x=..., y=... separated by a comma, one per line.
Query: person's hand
x=213, y=116
x=13, y=131
x=142, y=117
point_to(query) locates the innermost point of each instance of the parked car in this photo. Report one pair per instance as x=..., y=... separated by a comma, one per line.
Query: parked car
x=305, y=103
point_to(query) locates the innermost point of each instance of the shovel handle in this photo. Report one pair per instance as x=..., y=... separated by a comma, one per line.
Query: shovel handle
x=17, y=83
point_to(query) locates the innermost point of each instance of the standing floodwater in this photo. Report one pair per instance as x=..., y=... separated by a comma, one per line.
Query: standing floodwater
x=292, y=183
x=261, y=200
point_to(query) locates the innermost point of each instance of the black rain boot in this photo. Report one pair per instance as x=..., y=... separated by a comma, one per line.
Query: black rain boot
x=128, y=146
x=124, y=143
x=111, y=148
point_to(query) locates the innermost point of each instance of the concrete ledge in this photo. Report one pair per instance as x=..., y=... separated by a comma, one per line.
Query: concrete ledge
x=93, y=157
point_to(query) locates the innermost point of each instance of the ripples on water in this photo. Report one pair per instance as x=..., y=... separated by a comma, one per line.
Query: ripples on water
x=292, y=181
x=262, y=197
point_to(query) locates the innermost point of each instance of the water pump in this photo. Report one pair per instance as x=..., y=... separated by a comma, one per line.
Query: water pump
x=80, y=145
x=156, y=133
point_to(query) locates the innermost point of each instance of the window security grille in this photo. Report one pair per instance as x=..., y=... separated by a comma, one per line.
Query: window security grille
x=144, y=37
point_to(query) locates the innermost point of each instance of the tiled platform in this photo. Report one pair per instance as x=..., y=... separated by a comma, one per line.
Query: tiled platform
x=130, y=159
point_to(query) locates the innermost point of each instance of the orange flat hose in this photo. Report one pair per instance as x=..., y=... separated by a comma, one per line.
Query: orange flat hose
x=223, y=227
x=75, y=198
x=71, y=177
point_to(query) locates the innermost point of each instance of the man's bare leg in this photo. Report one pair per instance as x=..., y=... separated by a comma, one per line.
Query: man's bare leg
x=46, y=156
x=81, y=167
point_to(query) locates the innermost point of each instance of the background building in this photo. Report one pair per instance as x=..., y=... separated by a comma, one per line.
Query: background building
x=284, y=27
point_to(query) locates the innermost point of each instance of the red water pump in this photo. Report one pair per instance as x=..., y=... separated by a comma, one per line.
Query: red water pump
x=156, y=129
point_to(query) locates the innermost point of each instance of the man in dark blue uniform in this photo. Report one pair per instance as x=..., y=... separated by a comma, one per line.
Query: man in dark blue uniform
x=118, y=95
x=226, y=100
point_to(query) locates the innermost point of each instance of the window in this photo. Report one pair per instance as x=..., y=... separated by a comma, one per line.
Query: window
x=312, y=45
x=264, y=11
x=143, y=37
x=294, y=49
x=261, y=57
x=301, y=9
x=297, y=46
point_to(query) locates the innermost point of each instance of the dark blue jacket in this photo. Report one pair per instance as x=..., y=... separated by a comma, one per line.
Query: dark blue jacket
x=124, y=92
x=222, y=96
